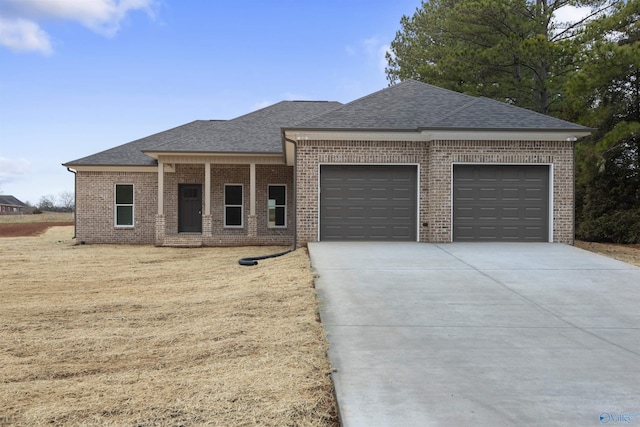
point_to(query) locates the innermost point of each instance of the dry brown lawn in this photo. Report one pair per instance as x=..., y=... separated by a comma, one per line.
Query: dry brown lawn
x=626, y=253
x=64, y=217
x=102, y=335
x=106, y=335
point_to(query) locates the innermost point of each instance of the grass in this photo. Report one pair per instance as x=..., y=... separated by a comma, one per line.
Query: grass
x=102, y=335
x=43, y=217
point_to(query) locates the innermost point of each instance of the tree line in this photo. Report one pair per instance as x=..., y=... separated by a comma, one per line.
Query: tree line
x=587, y=72
x=63, y=202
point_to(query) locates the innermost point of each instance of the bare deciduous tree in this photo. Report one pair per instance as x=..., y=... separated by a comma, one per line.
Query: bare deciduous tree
x=66, y=201
x=47, y=203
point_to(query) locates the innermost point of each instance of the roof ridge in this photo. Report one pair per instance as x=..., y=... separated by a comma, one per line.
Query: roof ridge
x=228, y=125
x=547, y=116
x=339, y=105
x=441, y=89
x=376, y=93
x=273, y=105
x=475, y=100
x=194, y=132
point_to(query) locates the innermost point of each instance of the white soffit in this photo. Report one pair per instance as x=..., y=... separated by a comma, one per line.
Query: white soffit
x=445, y=134
x=355, y=136
x=504, y=135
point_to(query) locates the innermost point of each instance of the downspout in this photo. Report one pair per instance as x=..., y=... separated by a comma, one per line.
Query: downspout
x=250, y=261
x=75, y=200
x=575, y=218
x=295, y=191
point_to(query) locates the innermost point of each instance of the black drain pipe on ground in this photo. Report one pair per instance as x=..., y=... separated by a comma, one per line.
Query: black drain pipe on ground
x=250, y=261
x=254, y=260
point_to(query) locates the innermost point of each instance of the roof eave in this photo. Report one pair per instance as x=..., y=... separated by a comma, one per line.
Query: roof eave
x=507, y=134
x=109, y=167
x=291, y=135
x=156, y=153
x=428, y=133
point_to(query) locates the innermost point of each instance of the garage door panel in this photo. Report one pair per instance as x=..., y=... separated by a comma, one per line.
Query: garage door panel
x=501, y=202
x=368, y=202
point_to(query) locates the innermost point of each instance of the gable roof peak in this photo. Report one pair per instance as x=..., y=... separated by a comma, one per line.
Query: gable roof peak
x=412, y=105
x=403, y=106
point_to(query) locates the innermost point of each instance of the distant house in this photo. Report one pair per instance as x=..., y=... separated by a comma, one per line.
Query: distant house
x=10, y=205
x=412, y=162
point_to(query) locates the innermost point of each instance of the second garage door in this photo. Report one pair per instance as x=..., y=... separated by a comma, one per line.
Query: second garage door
x=368, y=203
x=501, y=203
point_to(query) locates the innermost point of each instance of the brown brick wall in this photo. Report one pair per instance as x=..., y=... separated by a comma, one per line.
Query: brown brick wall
x=442, y=154
x=95, y=204
x=312, y=153
x=240, y=174
x=435, y=160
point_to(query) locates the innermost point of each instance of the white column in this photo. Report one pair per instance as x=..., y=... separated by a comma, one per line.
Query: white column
x=160, y=188
x=207, y=188
x=252, y=189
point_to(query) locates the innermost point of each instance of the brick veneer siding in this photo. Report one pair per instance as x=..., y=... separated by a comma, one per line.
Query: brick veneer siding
x=442, y=154
x=240, y=174
x=435, y=160
x=312, y=153
x=95, y=204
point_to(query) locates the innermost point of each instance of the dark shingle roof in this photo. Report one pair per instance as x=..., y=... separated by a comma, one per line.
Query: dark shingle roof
x=407, y=106
x=131, y=154
x=485, y=113
x=11, y=201
x=256, y=132
x=413, y=105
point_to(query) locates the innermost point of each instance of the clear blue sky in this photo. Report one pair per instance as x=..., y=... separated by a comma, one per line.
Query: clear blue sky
x=81, y=76
x=85, y=79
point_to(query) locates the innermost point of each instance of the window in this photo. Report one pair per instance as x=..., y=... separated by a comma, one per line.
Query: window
x=124, y=205
x=233, y=205
x=277, y=206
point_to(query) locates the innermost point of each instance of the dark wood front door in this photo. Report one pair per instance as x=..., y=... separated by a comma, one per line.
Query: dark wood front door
x=190, y=208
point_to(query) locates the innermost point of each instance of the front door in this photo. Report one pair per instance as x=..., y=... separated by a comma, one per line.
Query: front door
x=190, y=208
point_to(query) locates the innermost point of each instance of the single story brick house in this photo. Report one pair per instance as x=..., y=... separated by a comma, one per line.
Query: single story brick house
x=10, y=205
x=412, y=162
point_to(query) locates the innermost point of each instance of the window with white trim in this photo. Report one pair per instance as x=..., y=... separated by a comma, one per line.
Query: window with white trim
x=277, y=206
x=233, y=207
x=123, y=205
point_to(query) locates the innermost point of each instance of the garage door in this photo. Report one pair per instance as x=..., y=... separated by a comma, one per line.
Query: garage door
x=501, y=203
x=368, y=203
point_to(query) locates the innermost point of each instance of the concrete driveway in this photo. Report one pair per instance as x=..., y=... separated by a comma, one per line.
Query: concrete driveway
x=474, y=334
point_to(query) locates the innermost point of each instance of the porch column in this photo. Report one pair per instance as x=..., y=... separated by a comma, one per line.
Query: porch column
x=252, y=223
x=207, y=188
x=160, y=220
x=206, y=218
x=160, y=188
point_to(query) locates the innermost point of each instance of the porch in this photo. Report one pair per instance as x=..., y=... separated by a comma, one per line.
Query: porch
x=227, y=202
